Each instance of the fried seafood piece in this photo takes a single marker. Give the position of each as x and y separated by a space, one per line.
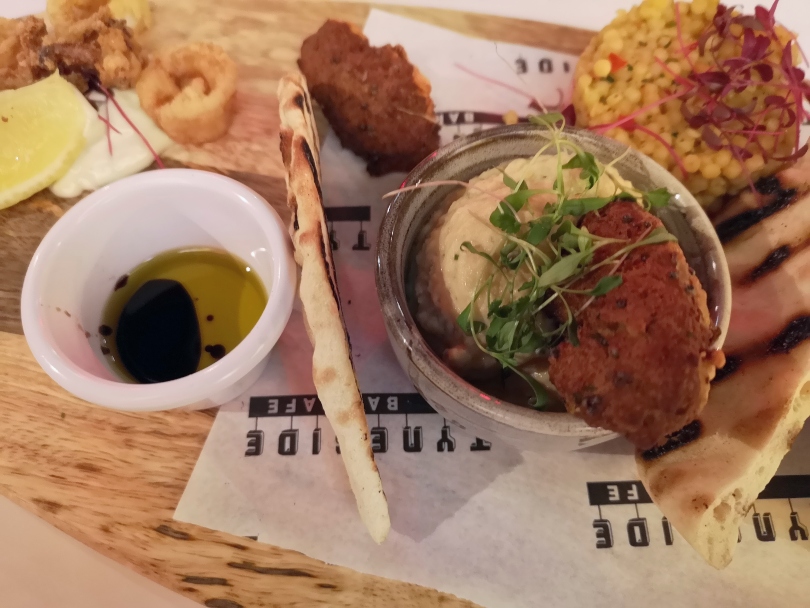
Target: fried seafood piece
189 91
20 41
64 13
97 46
377 102
643 364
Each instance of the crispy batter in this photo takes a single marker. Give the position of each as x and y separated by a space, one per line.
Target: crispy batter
376 101
97 46
643 365
64 13
189 92
20 40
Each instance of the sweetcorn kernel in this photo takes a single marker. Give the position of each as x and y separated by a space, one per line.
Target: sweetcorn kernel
767 142
662 156
625 107
732 170
656 24
710 170
647 12
632 95
722 157
510 118
698 7
648 147
683 145
755 162
717 186
640 70
584 81
590 97
691 163
602 87
620 135
601 68
697 183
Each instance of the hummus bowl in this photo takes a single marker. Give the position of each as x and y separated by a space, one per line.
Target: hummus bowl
401 238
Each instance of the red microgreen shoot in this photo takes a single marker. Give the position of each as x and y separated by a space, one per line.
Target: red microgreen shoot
637 113
496 82
107 122
709 94
109 127
111 98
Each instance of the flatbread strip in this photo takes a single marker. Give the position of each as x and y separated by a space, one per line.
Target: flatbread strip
709 475
332 369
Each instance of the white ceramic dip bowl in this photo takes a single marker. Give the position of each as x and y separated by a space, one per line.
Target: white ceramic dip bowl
113 230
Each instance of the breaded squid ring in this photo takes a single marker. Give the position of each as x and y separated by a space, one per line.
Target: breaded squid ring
188 91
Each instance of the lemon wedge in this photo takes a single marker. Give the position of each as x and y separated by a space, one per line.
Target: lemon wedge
136 13
41 134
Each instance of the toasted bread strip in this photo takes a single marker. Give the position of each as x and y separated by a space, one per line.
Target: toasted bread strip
332 369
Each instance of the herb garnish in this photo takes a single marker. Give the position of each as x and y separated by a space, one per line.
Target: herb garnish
710 91
542 257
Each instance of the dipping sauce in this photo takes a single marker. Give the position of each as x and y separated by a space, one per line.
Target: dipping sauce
178 313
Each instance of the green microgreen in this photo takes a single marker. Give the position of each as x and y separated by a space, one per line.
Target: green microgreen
550 119
585 161
655 199
544 253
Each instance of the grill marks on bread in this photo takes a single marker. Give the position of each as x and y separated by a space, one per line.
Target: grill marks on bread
760 401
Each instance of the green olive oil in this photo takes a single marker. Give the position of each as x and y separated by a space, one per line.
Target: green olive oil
178 313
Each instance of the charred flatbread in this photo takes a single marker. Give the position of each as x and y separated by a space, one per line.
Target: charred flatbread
708 475
332 369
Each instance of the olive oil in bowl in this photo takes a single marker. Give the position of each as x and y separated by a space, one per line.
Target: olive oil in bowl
178 313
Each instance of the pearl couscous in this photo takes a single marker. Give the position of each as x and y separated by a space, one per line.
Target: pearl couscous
639 61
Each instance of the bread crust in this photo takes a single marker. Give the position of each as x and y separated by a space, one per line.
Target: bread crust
708 476
332 368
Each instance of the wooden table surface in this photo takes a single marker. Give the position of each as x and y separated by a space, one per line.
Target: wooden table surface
112 479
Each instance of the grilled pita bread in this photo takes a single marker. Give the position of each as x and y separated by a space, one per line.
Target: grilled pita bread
332 369
706 478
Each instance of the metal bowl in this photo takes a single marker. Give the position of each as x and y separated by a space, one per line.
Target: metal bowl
457 400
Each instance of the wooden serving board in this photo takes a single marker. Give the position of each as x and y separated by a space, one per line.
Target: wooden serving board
112 479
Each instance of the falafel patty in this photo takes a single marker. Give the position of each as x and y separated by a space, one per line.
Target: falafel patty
377 102
643 365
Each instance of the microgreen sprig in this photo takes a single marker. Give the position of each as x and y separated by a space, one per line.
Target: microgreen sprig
542 256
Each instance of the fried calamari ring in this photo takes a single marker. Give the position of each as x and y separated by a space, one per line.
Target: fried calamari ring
188 91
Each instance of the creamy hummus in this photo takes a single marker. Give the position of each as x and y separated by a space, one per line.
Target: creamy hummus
447 277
